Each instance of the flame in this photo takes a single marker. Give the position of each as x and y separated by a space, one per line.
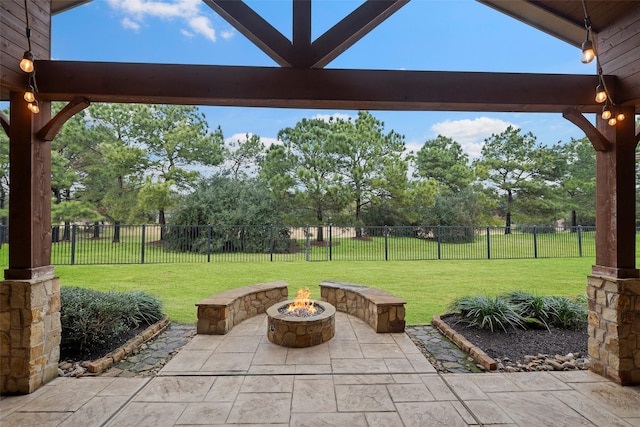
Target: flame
302 302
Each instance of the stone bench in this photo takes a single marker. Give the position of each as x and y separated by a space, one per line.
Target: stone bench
219 313
381 310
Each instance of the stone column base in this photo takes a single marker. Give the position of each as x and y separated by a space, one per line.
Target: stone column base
614 328
30 334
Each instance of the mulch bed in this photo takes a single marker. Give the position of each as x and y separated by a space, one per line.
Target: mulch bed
517 343
96 352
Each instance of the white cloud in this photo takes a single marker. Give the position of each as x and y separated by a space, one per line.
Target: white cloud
202 25
227 34
130 25
187 33
187 10
335 116
470 134
267 141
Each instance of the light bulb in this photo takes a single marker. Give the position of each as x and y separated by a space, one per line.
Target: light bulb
606 112
33 106
612 121
587 52
620 116
26 64
29 96
601 95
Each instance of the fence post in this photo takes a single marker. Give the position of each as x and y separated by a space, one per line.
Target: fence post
488 242
386 243
142 254
439 249
271 243
535 241
307 244
209 243
580 240
330 242
73 244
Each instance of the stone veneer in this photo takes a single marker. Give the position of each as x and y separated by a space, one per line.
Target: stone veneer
614 328
299 332
381 310
219 313
30 334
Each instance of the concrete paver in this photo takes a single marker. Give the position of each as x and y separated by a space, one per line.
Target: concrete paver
359 378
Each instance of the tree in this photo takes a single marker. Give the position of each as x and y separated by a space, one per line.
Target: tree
370 162
243 157
305 168
73 152
521 173
178 140
443 160
114 183
242 208
579 181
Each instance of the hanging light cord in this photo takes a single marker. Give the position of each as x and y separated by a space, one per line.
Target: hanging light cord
28 29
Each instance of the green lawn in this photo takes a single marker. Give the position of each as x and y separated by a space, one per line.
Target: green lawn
428 286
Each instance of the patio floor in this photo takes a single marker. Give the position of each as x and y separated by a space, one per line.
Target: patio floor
359 378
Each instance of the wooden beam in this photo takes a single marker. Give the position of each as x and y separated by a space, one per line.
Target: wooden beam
535 15
316 88
352 28
255 28
301 33
4 121
53 126
597 139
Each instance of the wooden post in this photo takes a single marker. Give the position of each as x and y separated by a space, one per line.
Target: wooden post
615 200
30 206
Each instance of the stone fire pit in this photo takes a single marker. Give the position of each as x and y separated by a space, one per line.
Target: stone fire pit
289 330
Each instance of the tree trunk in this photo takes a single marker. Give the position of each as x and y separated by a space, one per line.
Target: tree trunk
96 230
163 224
574 221
320 229
507 225
116 232
66 235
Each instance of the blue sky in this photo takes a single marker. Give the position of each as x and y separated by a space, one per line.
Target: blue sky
455 35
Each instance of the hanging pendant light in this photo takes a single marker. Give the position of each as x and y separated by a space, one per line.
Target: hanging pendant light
29 95
601 94
26 64
606 112
33 107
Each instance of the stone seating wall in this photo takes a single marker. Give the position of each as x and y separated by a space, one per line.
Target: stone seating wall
219 313
381 310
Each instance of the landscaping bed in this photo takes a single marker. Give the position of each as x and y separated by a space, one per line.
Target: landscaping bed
519 331
527 349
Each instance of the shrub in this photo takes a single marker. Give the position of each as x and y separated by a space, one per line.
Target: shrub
534 310
487 312
93 319
567 313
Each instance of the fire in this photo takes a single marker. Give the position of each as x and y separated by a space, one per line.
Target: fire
302 303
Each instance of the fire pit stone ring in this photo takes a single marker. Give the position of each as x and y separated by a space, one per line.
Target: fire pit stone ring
297 331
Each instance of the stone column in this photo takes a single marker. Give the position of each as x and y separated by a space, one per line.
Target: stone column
30 333
614 328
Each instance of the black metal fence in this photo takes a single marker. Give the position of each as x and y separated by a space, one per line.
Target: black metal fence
149 244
